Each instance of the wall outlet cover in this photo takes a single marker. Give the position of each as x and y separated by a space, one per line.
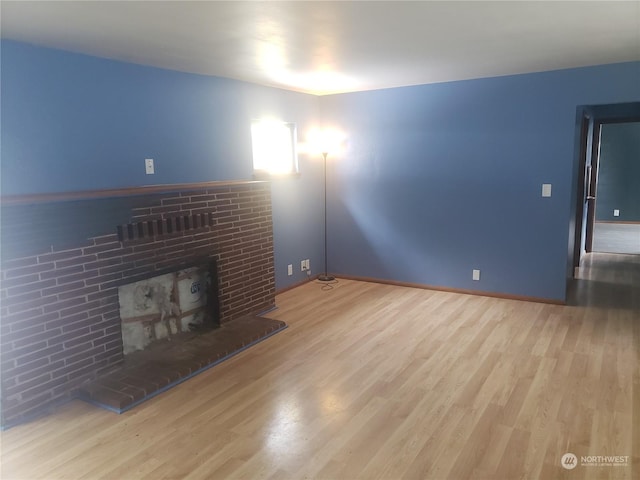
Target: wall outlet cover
546 189
616 212
476 275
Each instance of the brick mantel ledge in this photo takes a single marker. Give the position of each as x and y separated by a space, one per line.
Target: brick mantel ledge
29 198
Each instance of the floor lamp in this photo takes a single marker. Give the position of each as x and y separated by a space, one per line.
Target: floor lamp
325 277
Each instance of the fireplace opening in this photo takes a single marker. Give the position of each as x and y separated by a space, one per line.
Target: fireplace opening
173 302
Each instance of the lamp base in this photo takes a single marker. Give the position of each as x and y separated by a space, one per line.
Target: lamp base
326 278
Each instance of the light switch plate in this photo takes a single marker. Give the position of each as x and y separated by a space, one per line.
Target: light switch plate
148 166
616 212
476 275
546 189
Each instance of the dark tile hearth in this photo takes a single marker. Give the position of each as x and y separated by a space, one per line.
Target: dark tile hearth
163 365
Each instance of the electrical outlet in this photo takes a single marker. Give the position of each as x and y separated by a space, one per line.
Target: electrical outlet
616 212
148 166
546 189
306 264
290 269
476 275
303 265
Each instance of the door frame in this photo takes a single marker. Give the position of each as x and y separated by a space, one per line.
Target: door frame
592 185
587 186
582 183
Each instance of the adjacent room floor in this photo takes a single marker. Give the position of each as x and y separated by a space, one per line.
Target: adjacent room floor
616 238
378 381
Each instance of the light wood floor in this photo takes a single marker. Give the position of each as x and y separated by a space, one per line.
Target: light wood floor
377 381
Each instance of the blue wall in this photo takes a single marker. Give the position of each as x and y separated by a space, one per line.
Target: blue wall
434 181
619 173
437 180
73 122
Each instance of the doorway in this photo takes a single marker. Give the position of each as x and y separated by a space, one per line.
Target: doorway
593 121
616 228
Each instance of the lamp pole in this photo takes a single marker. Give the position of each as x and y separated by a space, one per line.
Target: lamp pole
325 277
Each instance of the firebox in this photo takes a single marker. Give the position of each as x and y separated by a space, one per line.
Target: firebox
159 307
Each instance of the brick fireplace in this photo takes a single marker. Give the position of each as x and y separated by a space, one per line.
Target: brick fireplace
64 259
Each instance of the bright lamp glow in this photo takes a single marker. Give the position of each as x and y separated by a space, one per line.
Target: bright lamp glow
327 140
274 147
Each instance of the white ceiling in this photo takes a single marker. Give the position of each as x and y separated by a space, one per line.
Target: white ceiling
331 47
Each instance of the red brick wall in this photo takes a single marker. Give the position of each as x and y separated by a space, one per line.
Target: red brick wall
59 314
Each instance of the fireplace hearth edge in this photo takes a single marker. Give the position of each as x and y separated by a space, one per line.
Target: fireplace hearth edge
168 364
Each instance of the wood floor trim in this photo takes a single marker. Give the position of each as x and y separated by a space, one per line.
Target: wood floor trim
480 293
